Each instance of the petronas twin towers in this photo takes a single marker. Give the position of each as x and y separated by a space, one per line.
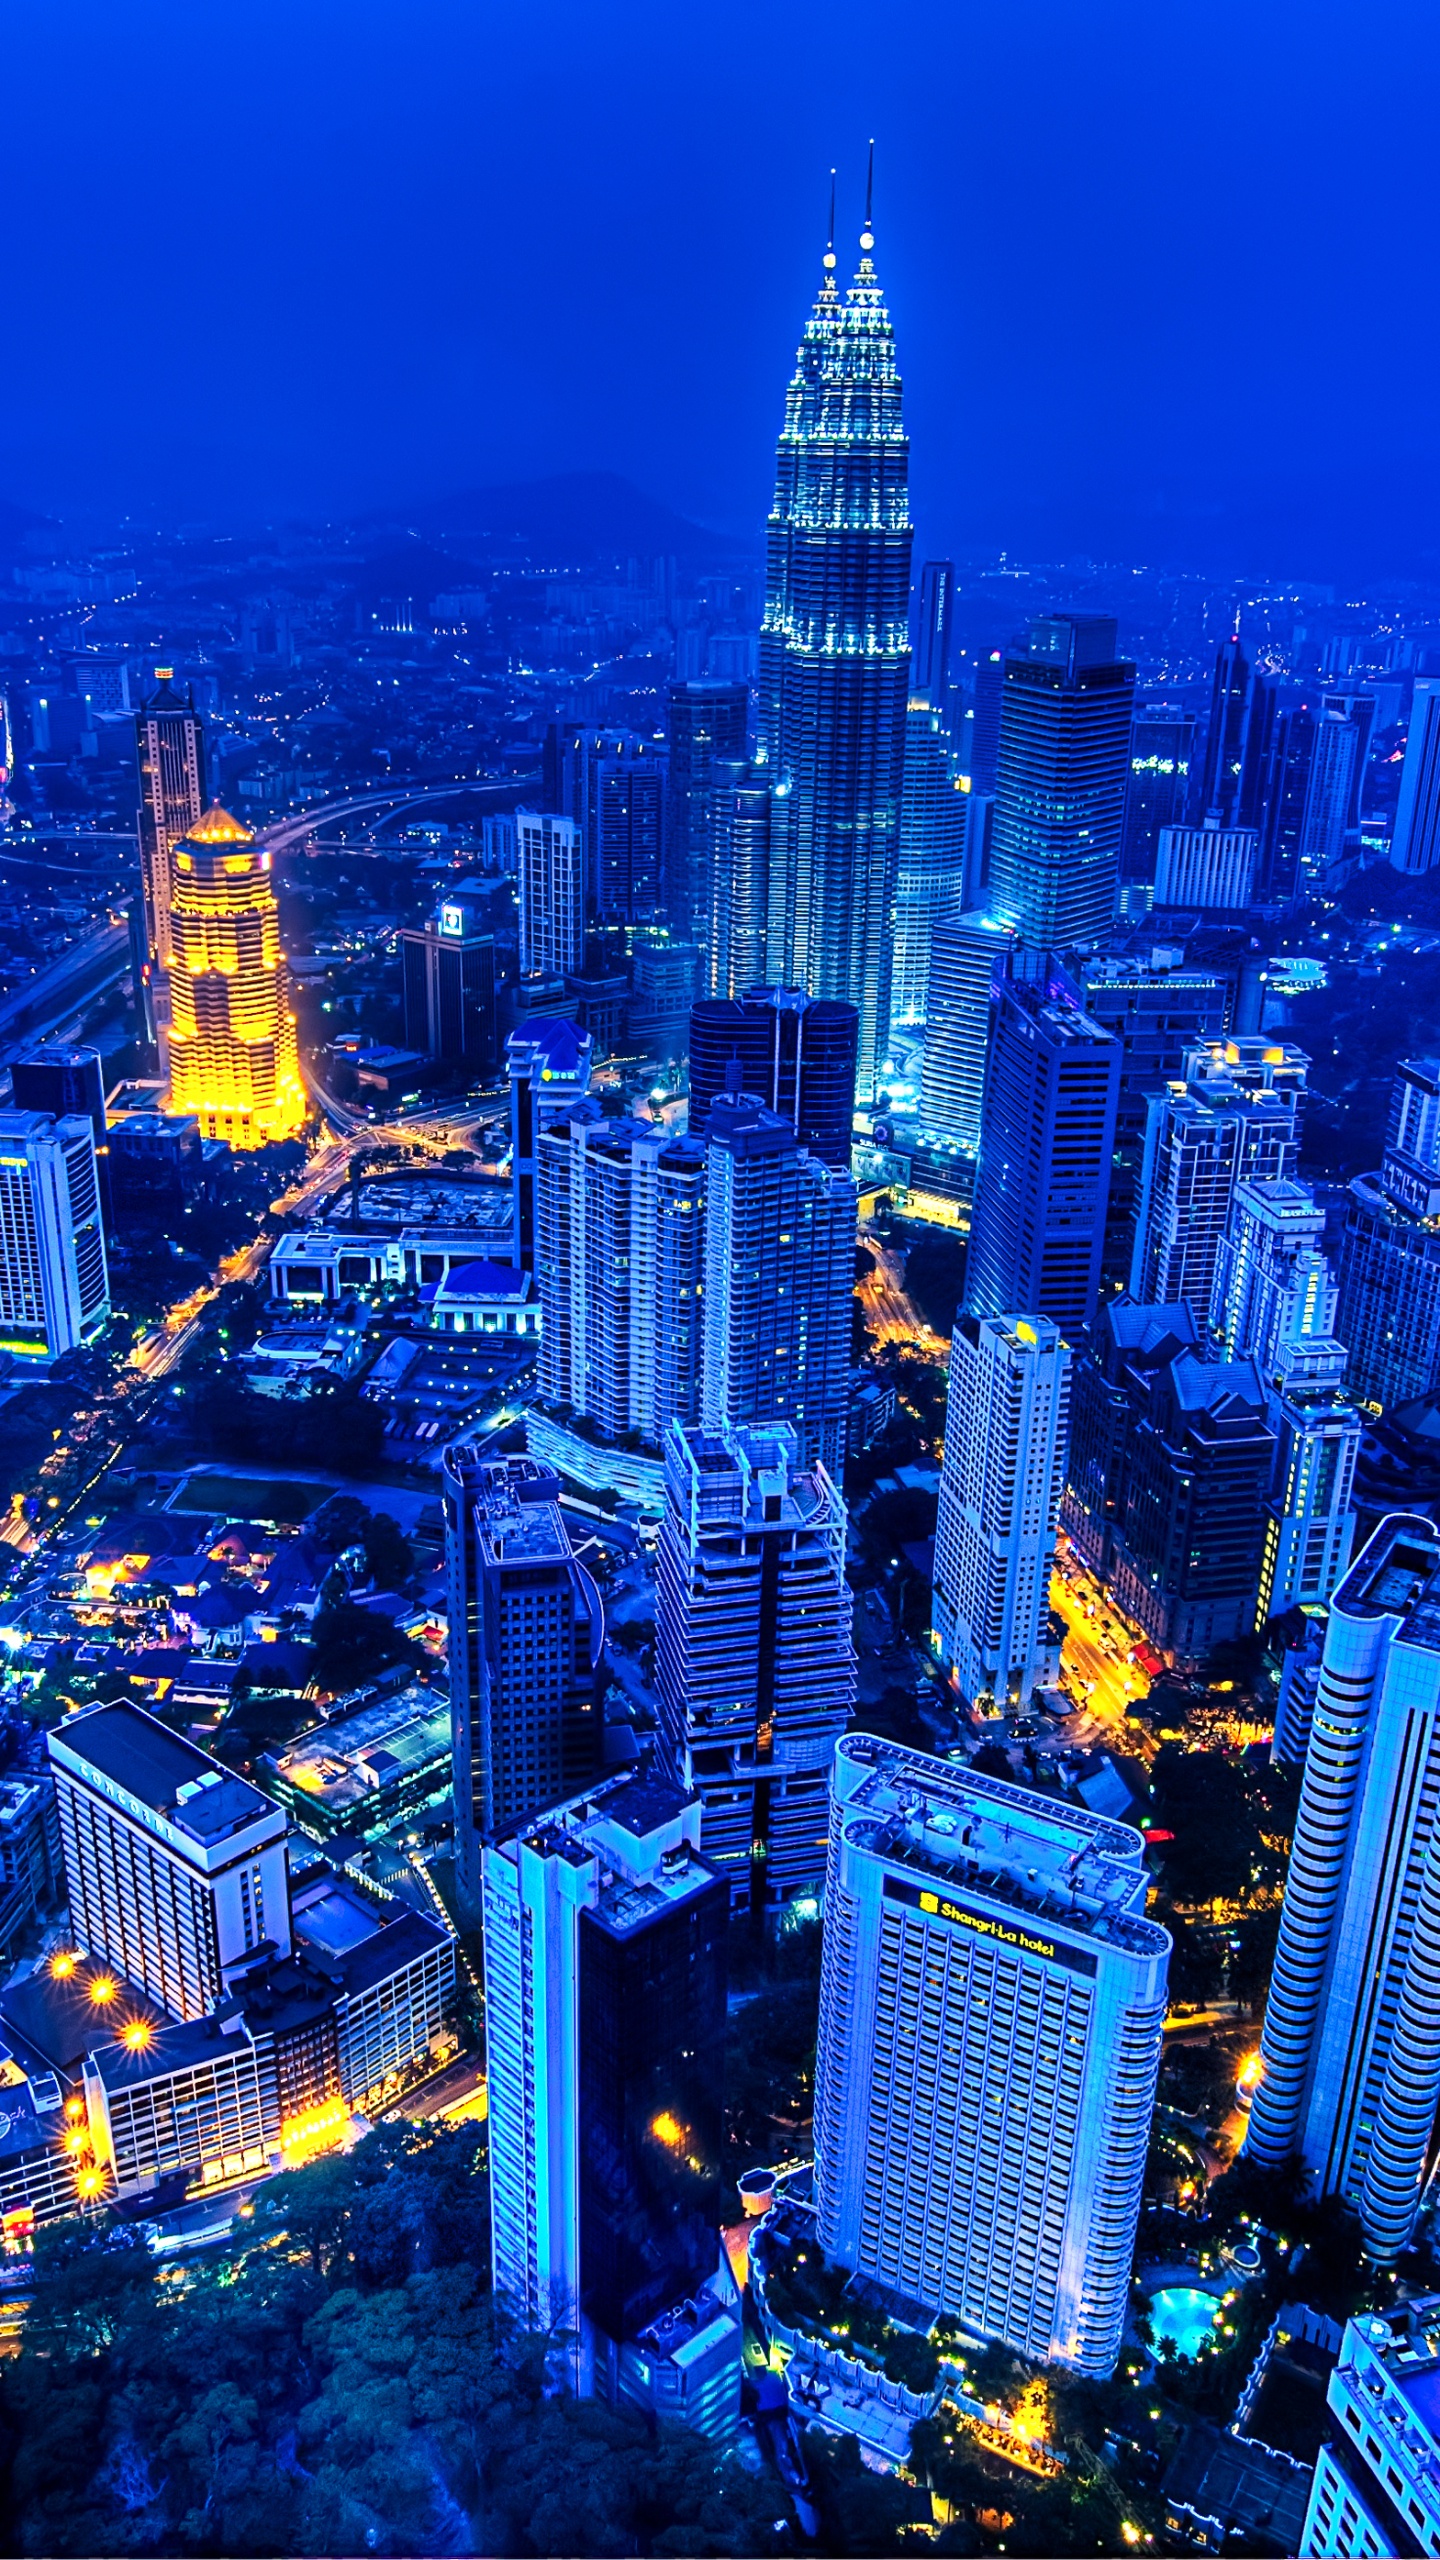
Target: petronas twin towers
835 657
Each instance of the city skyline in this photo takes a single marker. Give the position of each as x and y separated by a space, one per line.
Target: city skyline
1155 464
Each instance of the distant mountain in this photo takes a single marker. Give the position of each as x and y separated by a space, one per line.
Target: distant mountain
15 523
576 516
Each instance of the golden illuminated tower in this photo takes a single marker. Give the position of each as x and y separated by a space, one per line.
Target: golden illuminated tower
233 1057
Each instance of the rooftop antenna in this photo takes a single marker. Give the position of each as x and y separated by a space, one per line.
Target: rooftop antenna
867 236
828 261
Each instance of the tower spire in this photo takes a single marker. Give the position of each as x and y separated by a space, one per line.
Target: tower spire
828 261
867 236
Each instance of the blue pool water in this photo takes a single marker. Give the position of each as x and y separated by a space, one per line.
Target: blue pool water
1184 2313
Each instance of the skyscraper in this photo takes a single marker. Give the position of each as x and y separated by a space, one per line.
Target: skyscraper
170 753
526 1634
779 1281
448 984
1047 1136
795 1052
1225 739
705 731
60 1079
1331 790
175 1868
619 1260
1006 1432
1060 781
1233 1117
1157 793
613 784
1274 1302
735 922
1282 788
1158 1008
1415 847
967 956
930 878
1351 2043
1388 1264
549 1070
835 657
605 1988
992 2000
934 631
754 1663
54 1284
550 857
233 1055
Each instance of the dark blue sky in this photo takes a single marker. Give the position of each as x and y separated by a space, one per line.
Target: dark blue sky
1163 274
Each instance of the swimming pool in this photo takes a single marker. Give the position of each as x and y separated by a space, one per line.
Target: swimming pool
1184 2313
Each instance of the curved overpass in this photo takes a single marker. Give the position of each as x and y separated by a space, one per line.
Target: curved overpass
286 831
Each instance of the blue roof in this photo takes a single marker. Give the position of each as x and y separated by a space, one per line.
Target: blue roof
486 1280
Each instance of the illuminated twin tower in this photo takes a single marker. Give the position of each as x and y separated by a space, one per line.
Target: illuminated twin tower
215 973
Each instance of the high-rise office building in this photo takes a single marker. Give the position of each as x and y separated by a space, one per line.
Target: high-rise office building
1388 1265
1331 792
1060 781
448 983
967 958
795 1052
930 878
1195 1477
54 1283
1376 2483
1047 1137
605 1990
1205 867
1225 739
835 657
1350 2050
619 1263
735 926
613 784
992 1999
1281 791
526 1635
1310 1516
754 1662
233 1055
1415 844
170 753
550 860
549 1070
934 633
175 1868
1006 1433
1158 1007
1157 793
1274 1302
1112 1389
979 740
1232 1117
705 733
779 1281
1273 1285
60 1080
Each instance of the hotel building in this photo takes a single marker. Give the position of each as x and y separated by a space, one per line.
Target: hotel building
991 2006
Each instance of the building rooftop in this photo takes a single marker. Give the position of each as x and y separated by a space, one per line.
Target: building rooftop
71 2005
1397 1575
161 1770
997 1844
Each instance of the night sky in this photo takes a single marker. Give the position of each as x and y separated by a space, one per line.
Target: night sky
1164 275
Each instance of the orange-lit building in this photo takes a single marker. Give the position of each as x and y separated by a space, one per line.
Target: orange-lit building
233 1057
